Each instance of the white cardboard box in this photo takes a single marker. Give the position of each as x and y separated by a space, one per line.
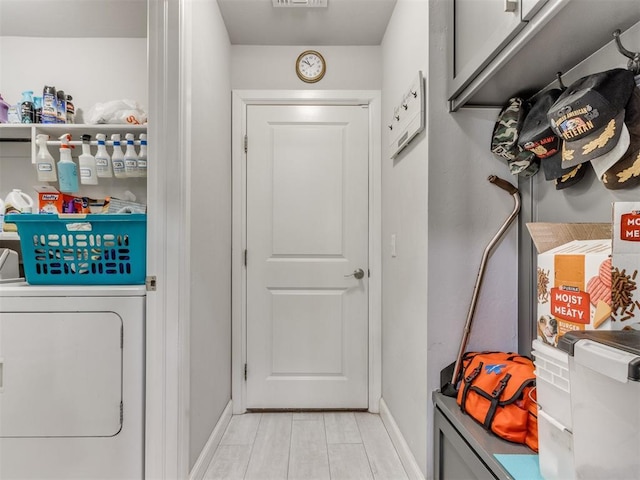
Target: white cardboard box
573 278
625 264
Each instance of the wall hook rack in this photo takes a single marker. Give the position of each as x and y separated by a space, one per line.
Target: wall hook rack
634 57
409 117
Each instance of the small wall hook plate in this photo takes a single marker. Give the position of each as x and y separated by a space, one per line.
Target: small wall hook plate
409 117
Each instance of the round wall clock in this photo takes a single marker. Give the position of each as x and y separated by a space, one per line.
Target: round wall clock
310 66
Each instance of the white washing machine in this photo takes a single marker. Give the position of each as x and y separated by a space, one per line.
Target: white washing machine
71 382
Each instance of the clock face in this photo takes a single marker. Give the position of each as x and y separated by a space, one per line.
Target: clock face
310 66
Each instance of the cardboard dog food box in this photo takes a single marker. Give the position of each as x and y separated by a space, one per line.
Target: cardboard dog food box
574 278
625 259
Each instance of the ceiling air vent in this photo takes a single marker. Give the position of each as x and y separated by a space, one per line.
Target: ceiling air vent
299 3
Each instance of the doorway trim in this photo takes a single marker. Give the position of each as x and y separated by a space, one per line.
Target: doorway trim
240 100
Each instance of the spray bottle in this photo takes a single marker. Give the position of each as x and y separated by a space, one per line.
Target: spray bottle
45 164
117 157
49 105
27 109
67 170
103 160
142 156
130 157
88 175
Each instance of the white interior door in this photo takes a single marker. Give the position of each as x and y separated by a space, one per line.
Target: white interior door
307 231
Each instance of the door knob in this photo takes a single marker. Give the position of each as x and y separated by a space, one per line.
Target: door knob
358 273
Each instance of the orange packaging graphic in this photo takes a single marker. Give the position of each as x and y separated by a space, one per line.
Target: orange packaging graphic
50 200
579 285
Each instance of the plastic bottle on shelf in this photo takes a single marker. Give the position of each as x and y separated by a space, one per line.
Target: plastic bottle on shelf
117 157
71 110
45 164
4 111
27 109
103 160
37 104
61 107
88 175
49 105
142 156
130 157
67 170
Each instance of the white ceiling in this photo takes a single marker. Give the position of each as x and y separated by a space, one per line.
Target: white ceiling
343 22
249 22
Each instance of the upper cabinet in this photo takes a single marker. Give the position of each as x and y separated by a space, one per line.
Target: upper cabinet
500 47
481 28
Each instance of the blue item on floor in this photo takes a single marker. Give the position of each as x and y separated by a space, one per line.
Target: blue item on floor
520 466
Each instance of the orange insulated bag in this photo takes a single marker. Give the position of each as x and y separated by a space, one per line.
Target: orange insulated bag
497 389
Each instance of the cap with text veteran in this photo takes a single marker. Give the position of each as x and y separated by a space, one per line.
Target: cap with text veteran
589 115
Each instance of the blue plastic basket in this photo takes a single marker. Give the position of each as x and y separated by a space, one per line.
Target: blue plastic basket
97 249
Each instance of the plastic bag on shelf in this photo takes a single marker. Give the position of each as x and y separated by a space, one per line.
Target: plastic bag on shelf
116 112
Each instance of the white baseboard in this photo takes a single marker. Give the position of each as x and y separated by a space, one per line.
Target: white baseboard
406 457
201 465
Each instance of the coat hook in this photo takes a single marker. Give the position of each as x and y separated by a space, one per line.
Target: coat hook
559 77
634 58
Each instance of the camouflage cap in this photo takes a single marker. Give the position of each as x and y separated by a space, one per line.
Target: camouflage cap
526 164
504 142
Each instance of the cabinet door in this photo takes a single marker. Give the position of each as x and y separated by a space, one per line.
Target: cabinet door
481 28
61 374
453 456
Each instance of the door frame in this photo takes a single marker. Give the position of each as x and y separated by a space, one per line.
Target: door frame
240 100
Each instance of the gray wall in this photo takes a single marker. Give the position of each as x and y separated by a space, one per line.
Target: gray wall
405 212
589 200
210 186
443 211
273 68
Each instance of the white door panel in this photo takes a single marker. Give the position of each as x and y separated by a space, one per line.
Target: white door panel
307 227
62 374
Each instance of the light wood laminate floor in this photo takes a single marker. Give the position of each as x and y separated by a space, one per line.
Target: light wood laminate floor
306 446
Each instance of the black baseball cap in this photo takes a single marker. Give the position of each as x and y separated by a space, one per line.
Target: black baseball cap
589 115
536 134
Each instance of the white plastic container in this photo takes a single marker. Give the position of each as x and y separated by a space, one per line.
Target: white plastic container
555 441
45 164
117 157
130 157
18 202
87 163
605 398
103 159
552 381
555 448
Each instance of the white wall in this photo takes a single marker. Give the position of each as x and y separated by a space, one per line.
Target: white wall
273 68
210 186
91 70
437 201
405 214
465 212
